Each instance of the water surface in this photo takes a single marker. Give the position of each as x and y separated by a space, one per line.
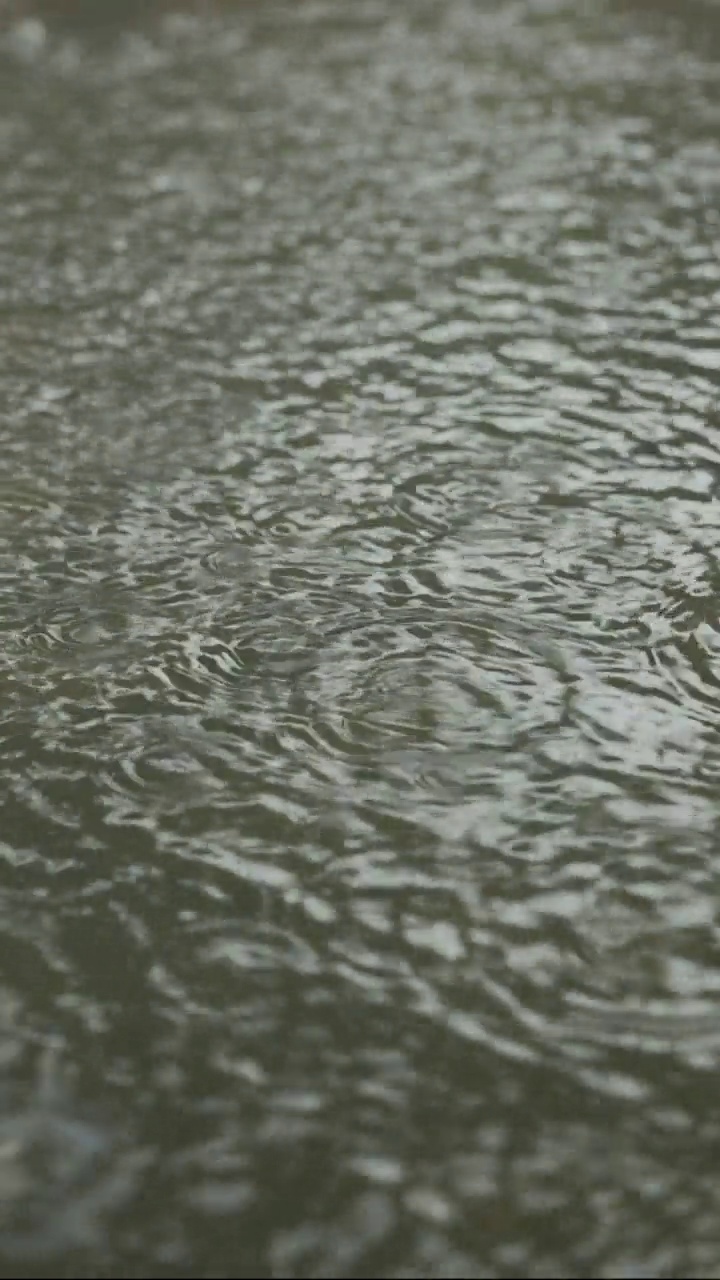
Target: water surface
359 642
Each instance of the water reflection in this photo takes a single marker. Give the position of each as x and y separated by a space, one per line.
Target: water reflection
358 665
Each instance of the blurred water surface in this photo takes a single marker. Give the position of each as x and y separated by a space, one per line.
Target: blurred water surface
359 641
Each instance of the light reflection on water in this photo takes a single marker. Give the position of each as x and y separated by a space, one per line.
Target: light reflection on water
358 604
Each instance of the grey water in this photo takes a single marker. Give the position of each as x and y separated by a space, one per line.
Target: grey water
360 640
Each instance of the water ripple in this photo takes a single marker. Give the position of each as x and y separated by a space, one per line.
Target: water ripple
359 613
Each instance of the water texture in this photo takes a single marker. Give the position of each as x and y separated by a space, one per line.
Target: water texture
360 641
